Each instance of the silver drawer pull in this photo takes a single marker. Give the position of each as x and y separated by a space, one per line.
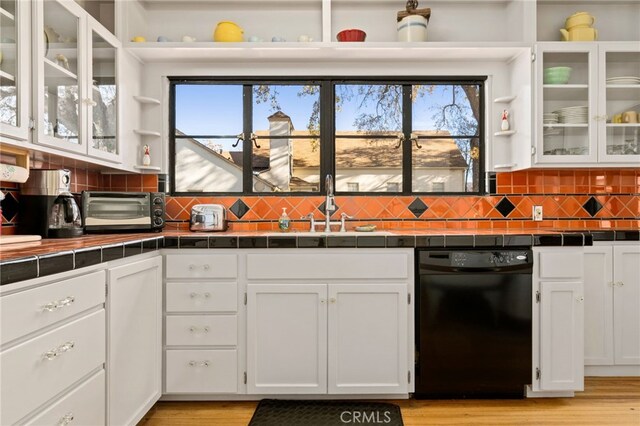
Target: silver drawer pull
205 363
54 353
195 295
57 304
195 329
66 419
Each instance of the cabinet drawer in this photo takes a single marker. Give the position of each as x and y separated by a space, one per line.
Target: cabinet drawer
556 264
202 266
201 330
383 265
29 378
200 371
85 405
27 311
202 297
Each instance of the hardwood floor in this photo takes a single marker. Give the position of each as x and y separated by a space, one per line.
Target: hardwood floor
605 401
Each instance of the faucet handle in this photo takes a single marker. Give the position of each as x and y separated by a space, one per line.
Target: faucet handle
312 222
343 218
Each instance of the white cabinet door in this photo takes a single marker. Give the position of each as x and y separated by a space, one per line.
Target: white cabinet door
286 338
598 305
134 343
561 335
574 138
367 338
626 302
15 23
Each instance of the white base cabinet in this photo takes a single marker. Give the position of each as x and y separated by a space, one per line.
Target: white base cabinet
53 351
320 330
558 319
134 303
612 304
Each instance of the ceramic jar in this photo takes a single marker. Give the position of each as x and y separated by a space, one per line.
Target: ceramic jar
413 28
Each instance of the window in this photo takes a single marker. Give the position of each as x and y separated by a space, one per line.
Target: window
437 186
393 186
274 135
353 186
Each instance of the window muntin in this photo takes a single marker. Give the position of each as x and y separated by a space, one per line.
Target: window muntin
396 135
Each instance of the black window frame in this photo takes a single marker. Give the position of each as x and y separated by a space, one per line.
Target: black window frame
327 129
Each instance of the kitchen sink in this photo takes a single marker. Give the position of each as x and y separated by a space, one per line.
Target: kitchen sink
325 234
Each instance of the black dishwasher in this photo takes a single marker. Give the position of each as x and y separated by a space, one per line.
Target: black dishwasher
473 323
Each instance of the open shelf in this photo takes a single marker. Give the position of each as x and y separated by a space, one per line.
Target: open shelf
505 133
504 166
147 168
146 133
146 100
293 51
505 99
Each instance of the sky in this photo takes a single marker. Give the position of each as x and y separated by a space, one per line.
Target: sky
217 109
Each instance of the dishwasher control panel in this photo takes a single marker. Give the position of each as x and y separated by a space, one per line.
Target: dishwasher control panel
476 258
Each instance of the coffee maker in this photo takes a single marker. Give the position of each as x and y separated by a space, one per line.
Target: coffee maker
46 206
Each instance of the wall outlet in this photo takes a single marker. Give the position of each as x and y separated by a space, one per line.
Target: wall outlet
537 213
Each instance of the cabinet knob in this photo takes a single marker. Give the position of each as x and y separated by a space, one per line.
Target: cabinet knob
206 267
192 267
322 300
205 363
580 299
193 295
207 295
192 363
332 300
619 283
66 419
205 329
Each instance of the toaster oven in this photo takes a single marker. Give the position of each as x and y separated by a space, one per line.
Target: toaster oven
106 211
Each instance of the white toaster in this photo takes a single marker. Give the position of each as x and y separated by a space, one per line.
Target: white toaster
208 217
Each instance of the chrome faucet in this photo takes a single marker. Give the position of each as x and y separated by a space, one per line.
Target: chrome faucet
329 203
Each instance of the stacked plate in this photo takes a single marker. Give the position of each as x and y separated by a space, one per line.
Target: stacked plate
573 115
550 118
623 80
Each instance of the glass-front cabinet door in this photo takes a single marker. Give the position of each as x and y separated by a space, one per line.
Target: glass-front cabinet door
567 103
14 69
102 90
60 70
619 82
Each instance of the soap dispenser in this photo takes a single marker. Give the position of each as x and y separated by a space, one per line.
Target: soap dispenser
284 222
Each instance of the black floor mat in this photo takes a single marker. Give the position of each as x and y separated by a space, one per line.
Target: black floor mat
274 412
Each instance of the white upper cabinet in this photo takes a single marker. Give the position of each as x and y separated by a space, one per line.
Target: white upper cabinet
588 100
75 69
14 69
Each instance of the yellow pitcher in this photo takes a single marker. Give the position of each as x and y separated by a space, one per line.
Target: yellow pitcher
227 31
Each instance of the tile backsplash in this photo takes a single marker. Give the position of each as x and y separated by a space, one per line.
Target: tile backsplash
571 199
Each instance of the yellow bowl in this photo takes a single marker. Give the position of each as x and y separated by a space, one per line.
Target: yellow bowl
227 31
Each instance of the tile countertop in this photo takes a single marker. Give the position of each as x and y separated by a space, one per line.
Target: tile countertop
36 259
